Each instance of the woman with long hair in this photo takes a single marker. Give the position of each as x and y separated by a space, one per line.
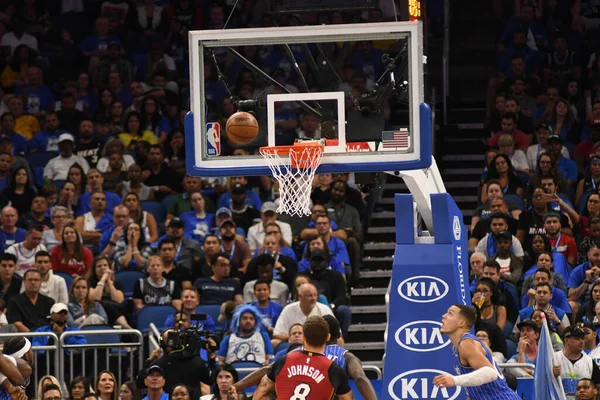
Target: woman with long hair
80 306
103 108
501 169
114 145
132 252
52 237
78 387
129 391
485 300
561 119
16 72
587 312
318 242
78 178
143 218
546 168
576 100
591 180
197 223
71 257
20 191
117 117
225 377
106 386
134 131
103 287
152 120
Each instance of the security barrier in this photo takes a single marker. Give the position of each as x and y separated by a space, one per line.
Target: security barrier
51 363
115 352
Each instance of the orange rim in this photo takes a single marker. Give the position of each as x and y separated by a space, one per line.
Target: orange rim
296 148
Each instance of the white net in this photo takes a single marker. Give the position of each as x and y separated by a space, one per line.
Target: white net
294 168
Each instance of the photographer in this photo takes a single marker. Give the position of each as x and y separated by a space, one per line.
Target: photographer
181 363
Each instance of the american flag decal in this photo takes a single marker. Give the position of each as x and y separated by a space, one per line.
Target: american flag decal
395 139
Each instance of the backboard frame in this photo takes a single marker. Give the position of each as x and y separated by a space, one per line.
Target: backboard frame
420 157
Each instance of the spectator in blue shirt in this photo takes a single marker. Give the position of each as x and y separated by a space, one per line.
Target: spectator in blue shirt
190 299
582 277
197 223
47 140
567 168
238 186
59 313
39 97
95 181
155 382
7 130
525 22
9 233
269 310
96 47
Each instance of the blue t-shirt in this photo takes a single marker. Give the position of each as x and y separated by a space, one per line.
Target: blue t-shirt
40 99
252 199
338 250
197 228
578 275
208 324
105 238
8 239
560 267
19 143
95 43
270 314
112 200
568 169
45 141
283 250
163 396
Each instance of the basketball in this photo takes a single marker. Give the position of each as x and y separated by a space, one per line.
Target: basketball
241 128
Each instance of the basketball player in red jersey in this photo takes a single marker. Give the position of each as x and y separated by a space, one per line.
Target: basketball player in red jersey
307 374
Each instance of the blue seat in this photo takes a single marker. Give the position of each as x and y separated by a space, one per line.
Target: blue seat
153 314
68 278
214 311
282 346
167 201
103 338
156 209
128 279
39 159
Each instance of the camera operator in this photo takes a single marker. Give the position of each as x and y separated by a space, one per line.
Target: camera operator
182 364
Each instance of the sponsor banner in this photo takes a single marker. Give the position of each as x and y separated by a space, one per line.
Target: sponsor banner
426 280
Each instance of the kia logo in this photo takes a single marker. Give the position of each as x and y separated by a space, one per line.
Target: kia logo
421 336
456 228
418 384
423 289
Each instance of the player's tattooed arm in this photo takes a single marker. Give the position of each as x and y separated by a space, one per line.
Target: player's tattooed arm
264 388
356 372
252 379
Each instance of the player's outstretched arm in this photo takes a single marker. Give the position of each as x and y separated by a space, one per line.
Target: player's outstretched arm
472 354
252 379
356 372
10 371
264 388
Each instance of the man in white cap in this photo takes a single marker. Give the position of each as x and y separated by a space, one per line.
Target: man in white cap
256 233
58 167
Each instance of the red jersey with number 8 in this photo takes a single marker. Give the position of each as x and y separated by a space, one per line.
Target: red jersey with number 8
302 375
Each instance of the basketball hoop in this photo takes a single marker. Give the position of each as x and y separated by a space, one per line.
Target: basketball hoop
294 168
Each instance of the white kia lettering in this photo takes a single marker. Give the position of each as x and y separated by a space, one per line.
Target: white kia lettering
461 275
418 384
423 289
421 336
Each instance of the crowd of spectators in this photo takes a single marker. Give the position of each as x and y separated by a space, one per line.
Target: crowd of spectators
92 185
535 235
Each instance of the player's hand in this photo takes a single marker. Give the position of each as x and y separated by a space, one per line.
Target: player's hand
556 370
232 393
17 393
444 381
